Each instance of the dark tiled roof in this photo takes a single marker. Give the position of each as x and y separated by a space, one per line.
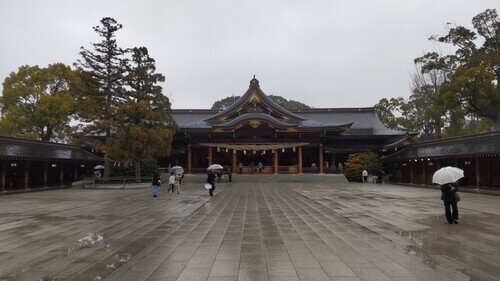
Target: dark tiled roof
16 148
364 120
478 144
357 121
257 116
254 92
192 118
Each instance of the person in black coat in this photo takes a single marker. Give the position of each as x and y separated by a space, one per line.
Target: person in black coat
448 195
211 180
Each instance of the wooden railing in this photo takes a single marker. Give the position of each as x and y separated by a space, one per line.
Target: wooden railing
94 182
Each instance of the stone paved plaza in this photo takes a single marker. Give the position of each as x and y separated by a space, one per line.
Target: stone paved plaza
250 230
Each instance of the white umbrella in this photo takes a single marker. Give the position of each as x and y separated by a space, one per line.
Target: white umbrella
447 175
177 169
215 167
99 167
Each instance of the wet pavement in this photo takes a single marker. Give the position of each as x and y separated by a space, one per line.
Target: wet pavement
252 230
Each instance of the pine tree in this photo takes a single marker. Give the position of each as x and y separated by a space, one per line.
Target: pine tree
145 127
104 69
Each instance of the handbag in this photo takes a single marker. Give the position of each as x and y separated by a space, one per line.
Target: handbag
208 186
457 197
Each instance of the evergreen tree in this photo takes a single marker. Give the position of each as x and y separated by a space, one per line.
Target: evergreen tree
38 103
473 81
104 69
145 128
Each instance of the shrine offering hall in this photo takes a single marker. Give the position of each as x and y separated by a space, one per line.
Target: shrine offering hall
257 132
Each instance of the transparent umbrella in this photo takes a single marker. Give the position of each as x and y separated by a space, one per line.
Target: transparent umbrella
177 169
215 167
447 175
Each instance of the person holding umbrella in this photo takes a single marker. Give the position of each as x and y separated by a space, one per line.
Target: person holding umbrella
211 171
447 178
211 180
449 197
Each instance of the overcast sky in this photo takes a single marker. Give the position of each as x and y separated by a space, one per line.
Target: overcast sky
324 53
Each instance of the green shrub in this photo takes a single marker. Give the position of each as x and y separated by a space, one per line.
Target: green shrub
358 162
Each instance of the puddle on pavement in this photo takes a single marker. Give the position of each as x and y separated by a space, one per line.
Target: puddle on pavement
437 240
86 242
118 259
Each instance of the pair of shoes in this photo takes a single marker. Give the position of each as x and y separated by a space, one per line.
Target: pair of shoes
155 196
455 222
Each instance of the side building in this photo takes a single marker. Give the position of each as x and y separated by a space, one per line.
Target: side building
29 164
478 155
255 129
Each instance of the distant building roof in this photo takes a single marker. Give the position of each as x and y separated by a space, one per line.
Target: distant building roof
256 105
477 144
17 148
364 120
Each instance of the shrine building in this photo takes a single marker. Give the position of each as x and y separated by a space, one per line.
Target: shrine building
255 129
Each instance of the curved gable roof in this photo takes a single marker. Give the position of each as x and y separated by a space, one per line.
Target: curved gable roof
253 119
254 95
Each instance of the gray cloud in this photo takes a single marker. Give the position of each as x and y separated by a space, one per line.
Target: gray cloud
323 53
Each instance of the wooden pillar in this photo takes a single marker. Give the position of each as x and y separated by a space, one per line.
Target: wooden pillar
423 171
61 174
26 174
189 161
299 152
478 174
275 167
233 164
45 174
321 162
3 176
209 156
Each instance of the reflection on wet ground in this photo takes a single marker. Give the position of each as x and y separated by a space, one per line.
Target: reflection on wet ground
249 231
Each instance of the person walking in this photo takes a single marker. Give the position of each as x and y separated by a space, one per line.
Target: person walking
364 174
177 183
156 183
171 182
449 196
240 166
260 167
229 174
313 167
211 180
219 175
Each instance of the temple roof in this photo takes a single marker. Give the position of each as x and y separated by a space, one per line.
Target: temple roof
16 148
255 105
254 100
361 121
478 144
